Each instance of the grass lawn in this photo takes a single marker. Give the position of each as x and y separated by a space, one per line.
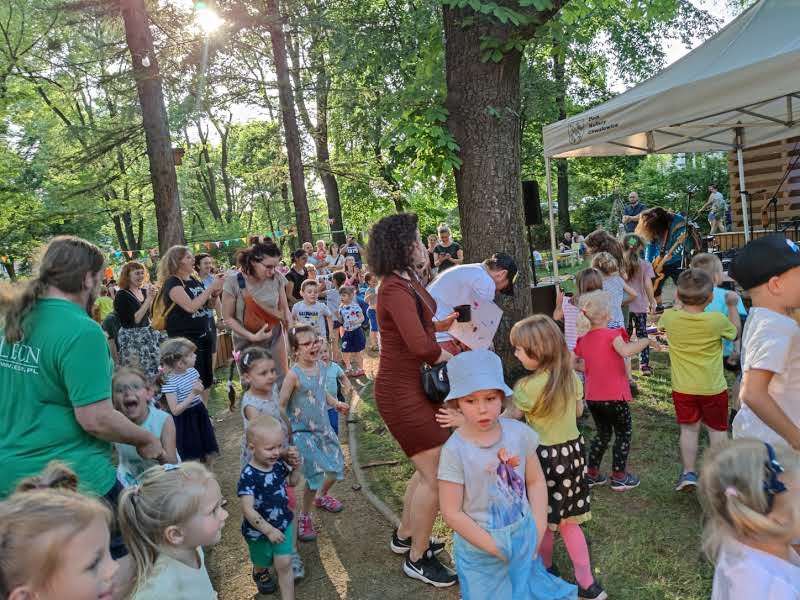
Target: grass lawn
644 543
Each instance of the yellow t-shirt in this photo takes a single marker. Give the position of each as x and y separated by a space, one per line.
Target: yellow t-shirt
555 429
106 305
695 350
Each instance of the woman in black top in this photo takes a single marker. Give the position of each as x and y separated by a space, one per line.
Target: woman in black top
137 344
447 253
296 276
191 299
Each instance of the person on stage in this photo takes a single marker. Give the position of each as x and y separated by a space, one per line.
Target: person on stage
717 210
631 212
666 236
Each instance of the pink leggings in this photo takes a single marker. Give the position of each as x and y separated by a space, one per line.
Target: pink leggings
578 551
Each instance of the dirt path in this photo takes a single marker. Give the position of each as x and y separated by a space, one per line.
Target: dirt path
350 560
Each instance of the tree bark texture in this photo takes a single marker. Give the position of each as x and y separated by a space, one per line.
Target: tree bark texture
483 99
562 172
319 132
290 129
154 119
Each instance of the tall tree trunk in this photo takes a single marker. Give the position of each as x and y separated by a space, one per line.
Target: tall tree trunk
123 243
562 173
126 220
319 132
290 129
483 99
9 267
154 118
224 131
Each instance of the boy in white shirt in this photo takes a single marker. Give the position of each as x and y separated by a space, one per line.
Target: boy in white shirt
769 268
310 312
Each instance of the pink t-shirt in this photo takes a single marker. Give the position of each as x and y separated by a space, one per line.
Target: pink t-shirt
604 369
645 272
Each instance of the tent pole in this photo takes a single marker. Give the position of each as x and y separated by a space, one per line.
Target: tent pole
742 186
553 248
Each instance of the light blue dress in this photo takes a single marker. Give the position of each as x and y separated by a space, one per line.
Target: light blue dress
311 429
131 465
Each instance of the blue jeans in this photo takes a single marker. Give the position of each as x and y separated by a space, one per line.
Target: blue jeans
482 575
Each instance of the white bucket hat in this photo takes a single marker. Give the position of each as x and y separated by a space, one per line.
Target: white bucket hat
473 371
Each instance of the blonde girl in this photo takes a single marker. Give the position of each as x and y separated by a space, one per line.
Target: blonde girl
587 280
304 399
262 398
615 285
54 541
550 399
750 492
131 395
639 275
165 521
182 390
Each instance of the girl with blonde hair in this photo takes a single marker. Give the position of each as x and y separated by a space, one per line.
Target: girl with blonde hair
54 541
750 492
550 399
166 520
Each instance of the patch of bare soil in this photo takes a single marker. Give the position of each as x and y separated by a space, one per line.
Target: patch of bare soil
350 559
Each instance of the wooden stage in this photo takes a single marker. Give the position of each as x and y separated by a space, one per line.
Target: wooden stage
735 239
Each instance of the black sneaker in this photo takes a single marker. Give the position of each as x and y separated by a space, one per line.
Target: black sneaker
264 582
402 546
430 570
593 592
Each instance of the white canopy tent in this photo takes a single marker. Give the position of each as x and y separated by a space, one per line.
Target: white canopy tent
739 89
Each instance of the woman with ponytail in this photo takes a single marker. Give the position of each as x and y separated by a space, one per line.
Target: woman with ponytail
56 360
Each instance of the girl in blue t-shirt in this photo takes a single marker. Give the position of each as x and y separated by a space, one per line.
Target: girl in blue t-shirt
336 382
182 391
131 396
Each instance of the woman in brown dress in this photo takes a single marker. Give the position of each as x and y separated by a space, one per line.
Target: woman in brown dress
405 313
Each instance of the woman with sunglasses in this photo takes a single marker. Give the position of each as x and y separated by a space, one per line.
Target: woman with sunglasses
258 281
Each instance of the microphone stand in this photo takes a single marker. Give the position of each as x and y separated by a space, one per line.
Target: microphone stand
689 194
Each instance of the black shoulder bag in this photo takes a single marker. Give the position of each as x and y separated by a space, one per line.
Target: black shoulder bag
434 377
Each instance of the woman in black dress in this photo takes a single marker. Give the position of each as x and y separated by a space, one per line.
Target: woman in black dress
192 301
137 343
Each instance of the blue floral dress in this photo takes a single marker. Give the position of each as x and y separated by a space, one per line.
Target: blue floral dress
312 433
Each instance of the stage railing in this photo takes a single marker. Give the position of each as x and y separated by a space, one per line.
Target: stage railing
735 239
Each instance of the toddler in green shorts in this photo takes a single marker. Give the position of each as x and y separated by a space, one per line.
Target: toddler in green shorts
268 526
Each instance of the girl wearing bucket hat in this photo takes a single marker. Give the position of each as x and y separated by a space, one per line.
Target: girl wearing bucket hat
492 490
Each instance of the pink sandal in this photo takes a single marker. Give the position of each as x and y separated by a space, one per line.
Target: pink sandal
328 503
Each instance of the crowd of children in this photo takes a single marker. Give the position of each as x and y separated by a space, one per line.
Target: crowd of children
515 472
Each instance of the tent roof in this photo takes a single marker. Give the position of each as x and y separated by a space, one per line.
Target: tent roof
747 75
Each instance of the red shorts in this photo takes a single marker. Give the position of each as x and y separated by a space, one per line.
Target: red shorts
712 410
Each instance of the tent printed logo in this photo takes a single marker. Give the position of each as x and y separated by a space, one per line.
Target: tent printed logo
575 130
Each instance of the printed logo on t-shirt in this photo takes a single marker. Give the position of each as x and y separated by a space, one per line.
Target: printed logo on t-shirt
19 357
507 501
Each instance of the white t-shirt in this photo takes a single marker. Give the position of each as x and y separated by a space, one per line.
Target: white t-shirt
314 315
744 573
771 342
459 285
172 579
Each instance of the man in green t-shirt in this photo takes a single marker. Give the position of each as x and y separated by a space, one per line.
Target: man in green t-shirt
55 376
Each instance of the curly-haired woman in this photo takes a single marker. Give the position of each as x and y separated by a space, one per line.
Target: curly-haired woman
405 313
601 241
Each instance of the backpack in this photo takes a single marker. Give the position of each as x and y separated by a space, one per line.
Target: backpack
158 317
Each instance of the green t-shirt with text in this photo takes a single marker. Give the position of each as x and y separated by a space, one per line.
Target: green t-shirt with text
62 362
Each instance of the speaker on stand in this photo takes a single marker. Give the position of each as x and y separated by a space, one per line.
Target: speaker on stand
533 216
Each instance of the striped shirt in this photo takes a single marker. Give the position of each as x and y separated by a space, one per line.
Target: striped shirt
181 384
570 323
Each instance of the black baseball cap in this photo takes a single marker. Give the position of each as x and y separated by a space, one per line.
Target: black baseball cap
506 263
764 258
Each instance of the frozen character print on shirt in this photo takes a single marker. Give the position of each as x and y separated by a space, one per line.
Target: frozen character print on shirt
507 499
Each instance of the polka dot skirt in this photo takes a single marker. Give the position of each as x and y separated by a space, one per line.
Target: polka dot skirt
564 470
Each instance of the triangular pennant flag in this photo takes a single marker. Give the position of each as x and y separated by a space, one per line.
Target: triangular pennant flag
207 245
197 247
228 243
218 244
130 254
244 240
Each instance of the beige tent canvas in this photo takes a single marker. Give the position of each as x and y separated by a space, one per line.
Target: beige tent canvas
740 88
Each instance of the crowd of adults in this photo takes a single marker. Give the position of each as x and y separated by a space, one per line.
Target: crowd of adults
58 360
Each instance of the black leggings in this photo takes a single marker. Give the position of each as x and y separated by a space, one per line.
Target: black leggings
672 271
611 418
639 321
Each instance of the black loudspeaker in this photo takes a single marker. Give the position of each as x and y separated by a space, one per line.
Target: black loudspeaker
530 201
544 299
